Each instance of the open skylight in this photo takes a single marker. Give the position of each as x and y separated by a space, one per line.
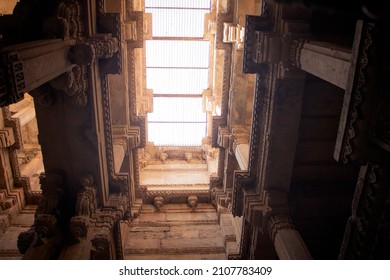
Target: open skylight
177 62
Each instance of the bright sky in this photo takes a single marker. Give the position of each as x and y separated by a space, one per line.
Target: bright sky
177 66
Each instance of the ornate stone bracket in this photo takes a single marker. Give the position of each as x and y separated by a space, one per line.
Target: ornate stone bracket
224 137
221 19
73 83
101 246
86 206
92 49
48 210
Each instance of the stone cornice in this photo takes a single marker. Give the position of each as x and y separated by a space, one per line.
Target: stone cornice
365 103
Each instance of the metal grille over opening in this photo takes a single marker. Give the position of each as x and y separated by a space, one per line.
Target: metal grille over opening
177 65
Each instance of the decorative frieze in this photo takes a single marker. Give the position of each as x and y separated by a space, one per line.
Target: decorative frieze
366 230
12 82
365 100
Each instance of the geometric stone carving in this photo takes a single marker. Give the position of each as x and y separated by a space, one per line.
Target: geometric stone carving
130 31
233 33
12 84
254 44
133 135
7 138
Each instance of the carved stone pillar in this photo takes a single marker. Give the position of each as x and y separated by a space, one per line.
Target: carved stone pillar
327 61
287 241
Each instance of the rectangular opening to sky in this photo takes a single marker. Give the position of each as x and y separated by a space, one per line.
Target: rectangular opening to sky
177 69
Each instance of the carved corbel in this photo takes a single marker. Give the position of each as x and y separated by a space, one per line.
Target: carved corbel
73 83
192 202
45 225
163 157
239 136
224 137
79 227
85 207
134 137
51 185
130 31
93 49
101 246
158 202
48 209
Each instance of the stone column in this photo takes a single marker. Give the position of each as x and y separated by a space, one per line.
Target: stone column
287 241
327 61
